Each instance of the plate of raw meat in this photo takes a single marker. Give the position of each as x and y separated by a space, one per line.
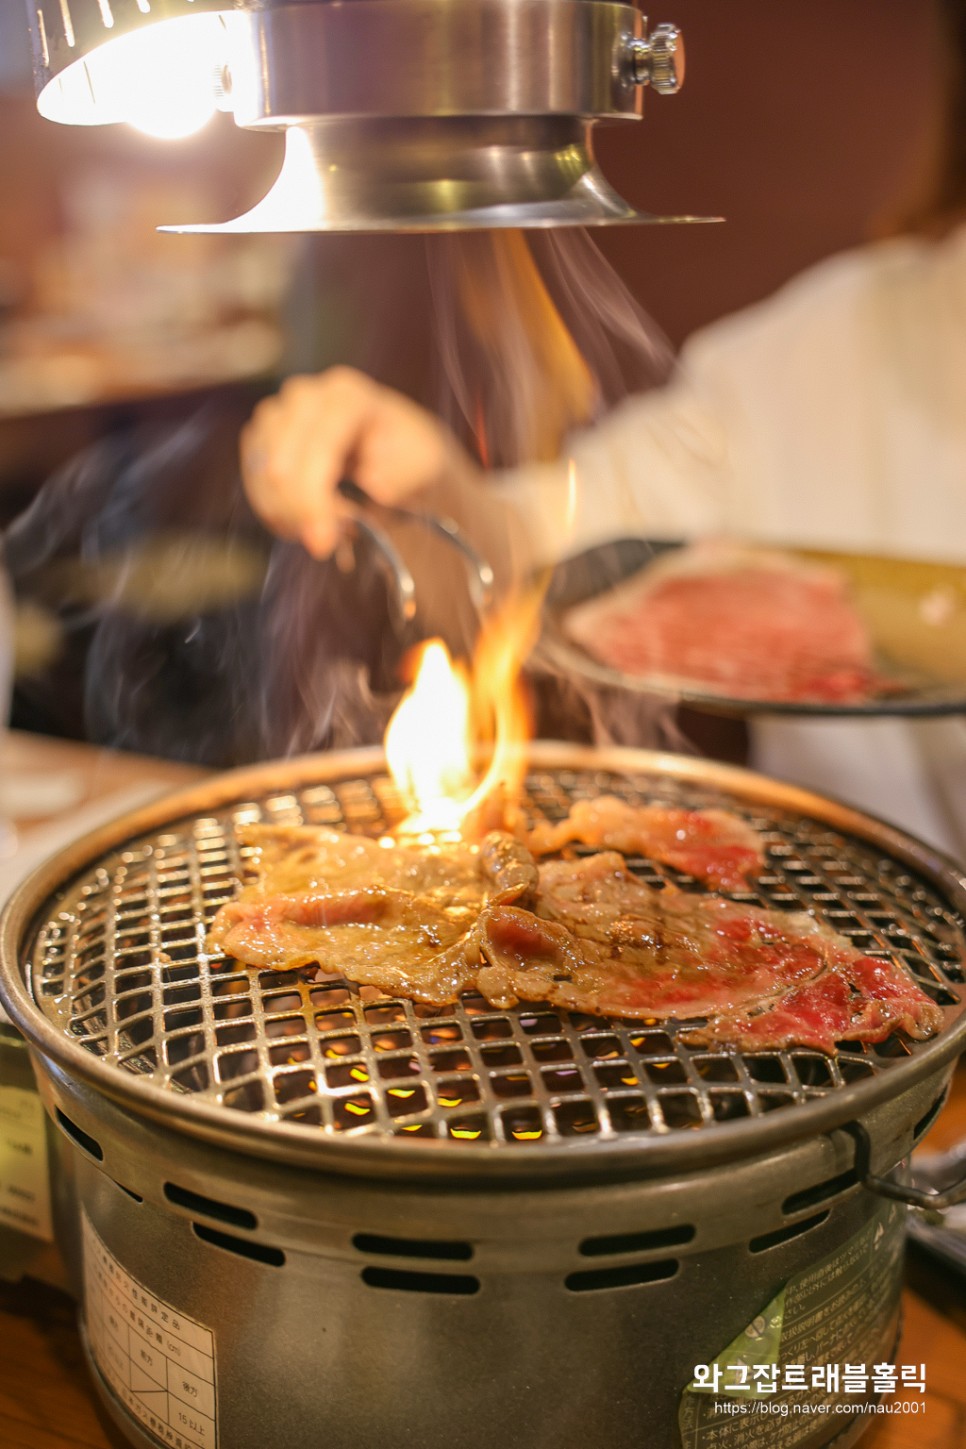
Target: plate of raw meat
742 629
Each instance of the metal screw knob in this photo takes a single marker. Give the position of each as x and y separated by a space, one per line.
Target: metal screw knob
658 61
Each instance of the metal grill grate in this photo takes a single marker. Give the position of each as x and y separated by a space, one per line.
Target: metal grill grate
119 966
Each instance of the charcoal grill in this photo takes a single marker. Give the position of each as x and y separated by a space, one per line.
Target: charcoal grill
381 1221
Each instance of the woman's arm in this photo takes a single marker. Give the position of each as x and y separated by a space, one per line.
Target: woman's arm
652 468
765 430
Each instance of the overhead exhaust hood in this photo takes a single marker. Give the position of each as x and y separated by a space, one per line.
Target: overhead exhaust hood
399 115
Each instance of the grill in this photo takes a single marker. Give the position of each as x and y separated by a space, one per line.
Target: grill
576 1209
119 971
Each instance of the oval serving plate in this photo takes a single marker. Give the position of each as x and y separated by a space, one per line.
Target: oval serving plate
914 610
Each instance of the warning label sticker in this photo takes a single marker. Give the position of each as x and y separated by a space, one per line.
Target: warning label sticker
809 1355
159 1362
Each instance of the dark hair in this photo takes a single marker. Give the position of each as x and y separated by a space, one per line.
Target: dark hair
942 199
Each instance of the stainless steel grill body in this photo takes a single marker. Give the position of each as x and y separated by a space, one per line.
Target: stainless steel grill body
368 1312
515 1223
115 984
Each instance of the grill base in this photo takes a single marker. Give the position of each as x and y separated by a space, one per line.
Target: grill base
526 1313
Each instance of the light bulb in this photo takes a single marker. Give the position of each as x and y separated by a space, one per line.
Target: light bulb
161 79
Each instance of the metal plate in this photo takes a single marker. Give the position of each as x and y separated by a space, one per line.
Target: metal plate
105 970
915 612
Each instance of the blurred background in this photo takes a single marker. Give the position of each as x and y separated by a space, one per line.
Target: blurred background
809 128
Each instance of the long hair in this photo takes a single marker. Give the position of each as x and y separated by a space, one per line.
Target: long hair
941 198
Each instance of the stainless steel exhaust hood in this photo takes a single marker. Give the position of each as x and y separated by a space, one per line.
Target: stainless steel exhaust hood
399 115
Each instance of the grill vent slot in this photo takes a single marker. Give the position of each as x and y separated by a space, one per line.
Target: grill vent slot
594 1280
821 1192
412 1247
785 1235
637 1242
83 1139
243 1247
460 1284
222 1212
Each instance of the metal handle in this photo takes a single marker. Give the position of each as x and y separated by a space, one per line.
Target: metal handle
403 582
929 1199
479 571
933 1201
658 60
481 580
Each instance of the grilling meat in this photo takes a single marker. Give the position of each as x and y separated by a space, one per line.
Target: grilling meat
431 922
306 858
740 622
382 915
713 845
605 943
860 998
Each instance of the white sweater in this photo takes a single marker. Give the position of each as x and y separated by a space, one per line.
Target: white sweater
833 414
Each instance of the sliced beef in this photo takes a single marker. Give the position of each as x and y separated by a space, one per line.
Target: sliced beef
432 922
713 845
743 623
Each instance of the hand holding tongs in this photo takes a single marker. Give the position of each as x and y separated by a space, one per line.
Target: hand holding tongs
366 515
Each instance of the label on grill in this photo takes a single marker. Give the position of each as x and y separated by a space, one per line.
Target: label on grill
792 1379
24 1175
159 1362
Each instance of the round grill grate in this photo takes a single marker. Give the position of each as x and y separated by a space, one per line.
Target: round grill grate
117 964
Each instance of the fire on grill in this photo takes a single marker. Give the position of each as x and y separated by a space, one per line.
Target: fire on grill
430 914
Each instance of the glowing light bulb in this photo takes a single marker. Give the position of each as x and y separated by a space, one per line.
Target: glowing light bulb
161 79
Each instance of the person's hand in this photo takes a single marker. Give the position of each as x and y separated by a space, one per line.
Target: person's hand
315 431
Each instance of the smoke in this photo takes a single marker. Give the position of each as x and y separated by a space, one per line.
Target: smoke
190 633
536 335
330 651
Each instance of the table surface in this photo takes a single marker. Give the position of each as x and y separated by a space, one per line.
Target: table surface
46 1401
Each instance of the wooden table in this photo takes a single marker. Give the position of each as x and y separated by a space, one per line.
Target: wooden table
45 1398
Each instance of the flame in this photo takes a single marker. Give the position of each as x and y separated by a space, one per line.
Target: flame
526 338
501 703
573 500
428 741
451 715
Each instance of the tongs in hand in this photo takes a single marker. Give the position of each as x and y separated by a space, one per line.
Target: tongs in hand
367 516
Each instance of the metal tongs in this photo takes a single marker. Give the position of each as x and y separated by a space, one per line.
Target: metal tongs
367 516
